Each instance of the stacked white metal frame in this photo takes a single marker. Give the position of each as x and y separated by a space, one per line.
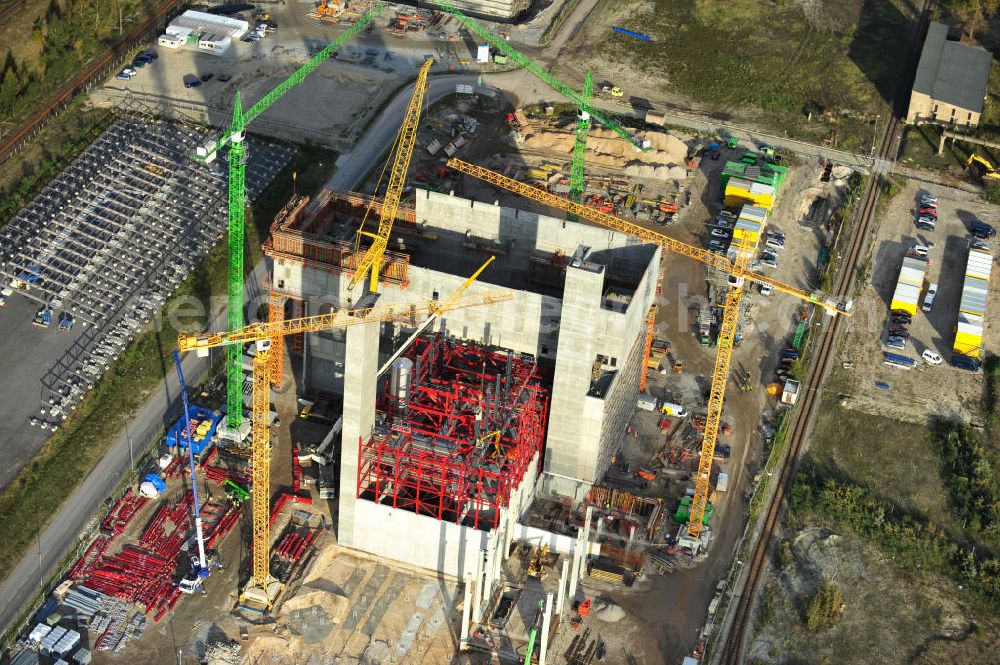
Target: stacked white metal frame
972 308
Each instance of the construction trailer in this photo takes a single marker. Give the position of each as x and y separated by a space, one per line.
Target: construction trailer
971 324
909 285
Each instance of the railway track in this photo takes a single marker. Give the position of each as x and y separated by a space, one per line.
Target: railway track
732 647
98 67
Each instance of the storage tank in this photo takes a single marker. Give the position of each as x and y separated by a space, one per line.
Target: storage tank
400 378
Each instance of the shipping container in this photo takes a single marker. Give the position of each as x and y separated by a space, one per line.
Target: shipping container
979 264
905 298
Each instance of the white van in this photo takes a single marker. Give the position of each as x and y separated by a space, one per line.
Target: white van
929 298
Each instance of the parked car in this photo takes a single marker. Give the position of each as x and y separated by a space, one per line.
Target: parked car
982 230
716 245
928 200
766 289
769 259
720 233
901 316
928 212
724 223
931 358
191 83
901 334
138 64
205 78
920 250
964 362
929 298
153 55
896 329
124 75
895 342
926 223
225 77
775 243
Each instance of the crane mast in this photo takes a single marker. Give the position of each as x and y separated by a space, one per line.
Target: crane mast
717 393
576 181
263 588
739 274
503 46
406 140
235 137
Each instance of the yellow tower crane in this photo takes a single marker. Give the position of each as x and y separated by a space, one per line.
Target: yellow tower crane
738 275
400 156
263 588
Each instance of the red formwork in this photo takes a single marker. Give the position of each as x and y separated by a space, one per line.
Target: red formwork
464 436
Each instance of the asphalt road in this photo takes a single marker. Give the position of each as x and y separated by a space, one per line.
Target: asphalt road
372 148
63 532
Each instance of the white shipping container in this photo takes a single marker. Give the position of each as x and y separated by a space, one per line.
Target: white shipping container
722 484
754 212
908 275
908 293
979 265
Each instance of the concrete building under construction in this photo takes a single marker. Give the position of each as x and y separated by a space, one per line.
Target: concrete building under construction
444 451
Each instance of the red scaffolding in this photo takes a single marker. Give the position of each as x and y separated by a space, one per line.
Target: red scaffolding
456 438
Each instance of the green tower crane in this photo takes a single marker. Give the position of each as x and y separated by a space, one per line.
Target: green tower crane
516 56
235 138
576 184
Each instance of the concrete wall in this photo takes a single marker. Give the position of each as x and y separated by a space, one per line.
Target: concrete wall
924 109
585 431
503 10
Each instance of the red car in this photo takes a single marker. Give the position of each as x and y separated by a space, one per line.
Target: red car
898 330
928 212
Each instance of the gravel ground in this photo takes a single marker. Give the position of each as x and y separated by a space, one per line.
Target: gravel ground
943 389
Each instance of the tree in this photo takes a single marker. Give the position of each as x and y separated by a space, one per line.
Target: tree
9 89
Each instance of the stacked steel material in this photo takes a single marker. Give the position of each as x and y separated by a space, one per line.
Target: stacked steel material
909 285
972 308
143 573
461 433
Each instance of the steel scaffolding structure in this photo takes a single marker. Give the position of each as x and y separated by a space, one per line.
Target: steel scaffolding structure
457 433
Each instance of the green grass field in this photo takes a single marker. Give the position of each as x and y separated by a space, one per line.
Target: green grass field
894 458
832 62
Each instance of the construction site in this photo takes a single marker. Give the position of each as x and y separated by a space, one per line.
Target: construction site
504 390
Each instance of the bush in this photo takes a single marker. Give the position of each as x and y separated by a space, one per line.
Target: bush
968 476
826 608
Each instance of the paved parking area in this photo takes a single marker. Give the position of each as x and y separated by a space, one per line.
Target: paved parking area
105 243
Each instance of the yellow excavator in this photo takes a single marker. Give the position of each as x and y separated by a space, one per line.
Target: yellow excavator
983 167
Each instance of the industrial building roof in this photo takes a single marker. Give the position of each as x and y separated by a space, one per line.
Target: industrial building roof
192 21
952 72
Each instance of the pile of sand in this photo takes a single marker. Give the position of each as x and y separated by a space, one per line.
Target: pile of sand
608 612
665 159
